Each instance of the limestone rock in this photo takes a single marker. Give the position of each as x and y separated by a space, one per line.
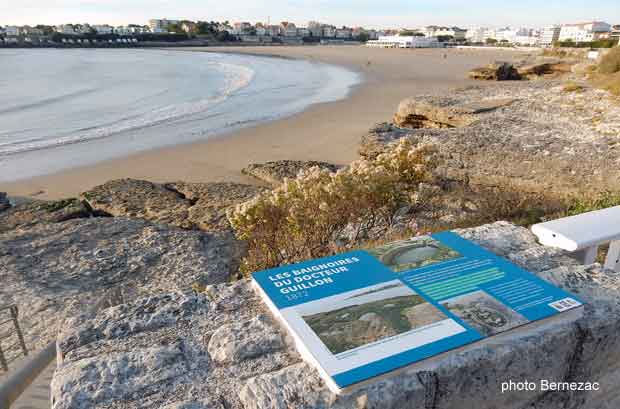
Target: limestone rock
499 71
31 213
275 172
139 199
210 201
4 201
528 142
244 340
51 270
296 386
414 113
186 205
177 348
538 69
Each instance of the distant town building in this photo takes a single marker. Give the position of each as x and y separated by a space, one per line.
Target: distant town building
11 31
288 29
315 28
103 29
549 35
303 32
404 42
68 29
458 34
476 34
584 32
344 33
161 25
242 28
614 34
329 31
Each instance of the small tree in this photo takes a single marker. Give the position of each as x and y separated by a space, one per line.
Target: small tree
490 41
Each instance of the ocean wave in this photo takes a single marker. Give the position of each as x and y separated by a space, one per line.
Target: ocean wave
235 78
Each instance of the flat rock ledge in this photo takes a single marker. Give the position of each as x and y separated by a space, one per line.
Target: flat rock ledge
219 349
527 135
53 270
186 205
275 172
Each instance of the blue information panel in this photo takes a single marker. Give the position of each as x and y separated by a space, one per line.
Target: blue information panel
364 313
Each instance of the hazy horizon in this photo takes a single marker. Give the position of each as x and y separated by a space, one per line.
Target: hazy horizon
370 14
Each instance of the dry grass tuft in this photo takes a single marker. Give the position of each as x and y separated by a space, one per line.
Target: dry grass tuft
572 86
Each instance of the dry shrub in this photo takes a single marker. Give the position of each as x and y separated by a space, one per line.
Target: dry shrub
610 62
572 87
305 217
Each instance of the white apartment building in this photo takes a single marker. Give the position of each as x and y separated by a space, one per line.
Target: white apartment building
436 31
241 28
11 31
161 25
303 32
329 31
65 29
344 33
549 35
615 32
315 28
288 29
103 29
404 42
583 32
476 34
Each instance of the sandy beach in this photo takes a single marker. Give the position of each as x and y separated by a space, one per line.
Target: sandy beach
327 132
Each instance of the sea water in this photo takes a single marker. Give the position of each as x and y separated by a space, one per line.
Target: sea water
67 108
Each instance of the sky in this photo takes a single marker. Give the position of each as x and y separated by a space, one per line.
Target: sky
366 13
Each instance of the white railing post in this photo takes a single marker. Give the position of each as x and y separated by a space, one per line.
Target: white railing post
613 257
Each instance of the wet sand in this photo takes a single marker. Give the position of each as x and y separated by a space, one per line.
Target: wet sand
328 132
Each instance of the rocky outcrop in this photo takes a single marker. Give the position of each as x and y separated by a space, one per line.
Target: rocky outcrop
541 140
416 113
56 269
4 201
185 205
205 351
499 71
210 201
140 199
240 341
538 69
275 172
31 213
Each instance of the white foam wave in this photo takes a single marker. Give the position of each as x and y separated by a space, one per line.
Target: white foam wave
236 77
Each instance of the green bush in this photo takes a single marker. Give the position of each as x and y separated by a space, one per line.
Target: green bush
610 63
305 217
588 204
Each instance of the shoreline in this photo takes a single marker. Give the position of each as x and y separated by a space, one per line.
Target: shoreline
328 131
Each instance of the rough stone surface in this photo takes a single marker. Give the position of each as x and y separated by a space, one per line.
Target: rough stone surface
28 214
499 71
275 172
51 270
210 201
140 199
537 69
186 205
172 351
545 140
4 201
243 340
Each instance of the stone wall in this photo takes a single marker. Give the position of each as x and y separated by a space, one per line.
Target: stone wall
221 349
